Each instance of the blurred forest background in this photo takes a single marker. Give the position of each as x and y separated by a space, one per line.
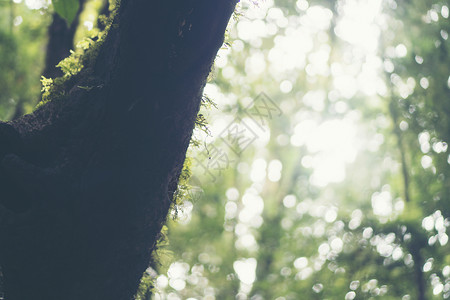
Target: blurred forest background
323 171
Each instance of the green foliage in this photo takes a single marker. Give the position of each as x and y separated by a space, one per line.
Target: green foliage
8 61
67 9
22 38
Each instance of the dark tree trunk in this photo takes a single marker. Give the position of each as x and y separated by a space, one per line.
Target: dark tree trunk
87 180
60 42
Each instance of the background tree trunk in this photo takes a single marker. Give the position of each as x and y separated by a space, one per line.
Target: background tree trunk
60 42
88 178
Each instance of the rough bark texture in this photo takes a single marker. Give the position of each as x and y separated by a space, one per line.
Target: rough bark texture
87 181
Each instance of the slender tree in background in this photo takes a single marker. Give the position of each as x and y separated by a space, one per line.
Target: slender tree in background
60 41
88 178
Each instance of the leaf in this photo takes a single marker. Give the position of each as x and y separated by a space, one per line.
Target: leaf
66 9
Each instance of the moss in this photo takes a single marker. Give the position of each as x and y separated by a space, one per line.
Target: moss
146 287
183 187
77 67
71 65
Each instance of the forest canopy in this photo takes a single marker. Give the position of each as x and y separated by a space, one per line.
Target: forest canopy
320 166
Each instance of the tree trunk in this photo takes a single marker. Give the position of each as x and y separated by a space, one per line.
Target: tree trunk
87 179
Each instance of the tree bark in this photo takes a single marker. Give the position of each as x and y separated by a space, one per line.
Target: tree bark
87 180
